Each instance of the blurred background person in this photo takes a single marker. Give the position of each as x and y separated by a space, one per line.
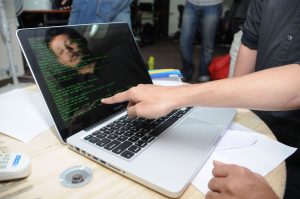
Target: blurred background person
95 11
269 41
203 15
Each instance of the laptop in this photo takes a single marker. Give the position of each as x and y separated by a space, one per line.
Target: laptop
76 66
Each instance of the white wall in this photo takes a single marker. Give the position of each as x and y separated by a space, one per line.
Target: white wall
174 13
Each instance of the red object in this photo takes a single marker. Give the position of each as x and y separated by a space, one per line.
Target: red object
219 67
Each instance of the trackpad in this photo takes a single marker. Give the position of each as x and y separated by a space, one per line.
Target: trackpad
195 134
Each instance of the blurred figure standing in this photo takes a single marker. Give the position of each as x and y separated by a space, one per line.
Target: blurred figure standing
205 16
99 11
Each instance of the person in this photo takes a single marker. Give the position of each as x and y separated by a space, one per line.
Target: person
90 74
230 181
205 16
268 41
95 11
238 13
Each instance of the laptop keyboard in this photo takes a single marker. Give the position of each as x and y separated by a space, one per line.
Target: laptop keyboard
128 136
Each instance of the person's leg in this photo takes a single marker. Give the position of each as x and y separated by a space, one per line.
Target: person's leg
210 22
85 11
187 35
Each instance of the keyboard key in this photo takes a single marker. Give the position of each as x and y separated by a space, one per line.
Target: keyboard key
125 128
156 123
88 137
122 138
119 132
128 134
148 138
119 149
145 130
134 149
108 131
103 142
115 128
127 154
112 145
141 143
133 139
139 134
101 135
93 140
134 129
95 133
156 132
112 136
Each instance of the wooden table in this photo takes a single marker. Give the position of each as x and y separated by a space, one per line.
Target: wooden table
50 158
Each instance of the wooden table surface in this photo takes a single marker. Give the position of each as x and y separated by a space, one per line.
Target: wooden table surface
50 158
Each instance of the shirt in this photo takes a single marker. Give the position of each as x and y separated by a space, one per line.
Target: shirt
272 27
205 2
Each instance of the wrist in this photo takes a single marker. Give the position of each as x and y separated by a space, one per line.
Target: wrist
182 96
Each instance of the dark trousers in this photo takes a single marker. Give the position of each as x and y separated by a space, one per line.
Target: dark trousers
287 132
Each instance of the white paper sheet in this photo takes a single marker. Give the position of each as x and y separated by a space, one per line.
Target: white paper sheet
235 140
261 157
168 81
23 114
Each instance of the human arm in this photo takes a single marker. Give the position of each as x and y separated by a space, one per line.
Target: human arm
272 89
245 62
246 59
231 181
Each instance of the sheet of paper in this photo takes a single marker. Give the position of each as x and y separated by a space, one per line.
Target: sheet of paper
261 157
23 114
234 140
168 81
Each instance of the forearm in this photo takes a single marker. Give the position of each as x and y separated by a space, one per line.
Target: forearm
272 89
245 62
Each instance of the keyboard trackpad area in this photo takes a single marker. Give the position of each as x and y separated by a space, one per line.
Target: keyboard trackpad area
194 134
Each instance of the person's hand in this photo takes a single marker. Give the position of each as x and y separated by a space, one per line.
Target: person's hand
148 101
235 182
63 2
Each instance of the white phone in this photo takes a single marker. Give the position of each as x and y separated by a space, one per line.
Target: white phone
14 165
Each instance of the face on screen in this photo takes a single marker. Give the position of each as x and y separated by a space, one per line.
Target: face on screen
67 51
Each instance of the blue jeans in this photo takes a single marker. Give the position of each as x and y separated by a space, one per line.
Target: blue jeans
100 11
206 19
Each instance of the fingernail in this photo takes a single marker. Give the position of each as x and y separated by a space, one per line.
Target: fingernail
216 162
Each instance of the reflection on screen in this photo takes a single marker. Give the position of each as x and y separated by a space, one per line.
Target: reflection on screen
81 66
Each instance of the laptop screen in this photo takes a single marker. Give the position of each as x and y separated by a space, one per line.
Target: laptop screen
76 66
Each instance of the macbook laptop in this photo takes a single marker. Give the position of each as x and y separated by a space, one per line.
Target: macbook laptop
76 66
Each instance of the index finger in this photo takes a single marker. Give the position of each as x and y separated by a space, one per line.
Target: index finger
221 169
117 98
63 2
